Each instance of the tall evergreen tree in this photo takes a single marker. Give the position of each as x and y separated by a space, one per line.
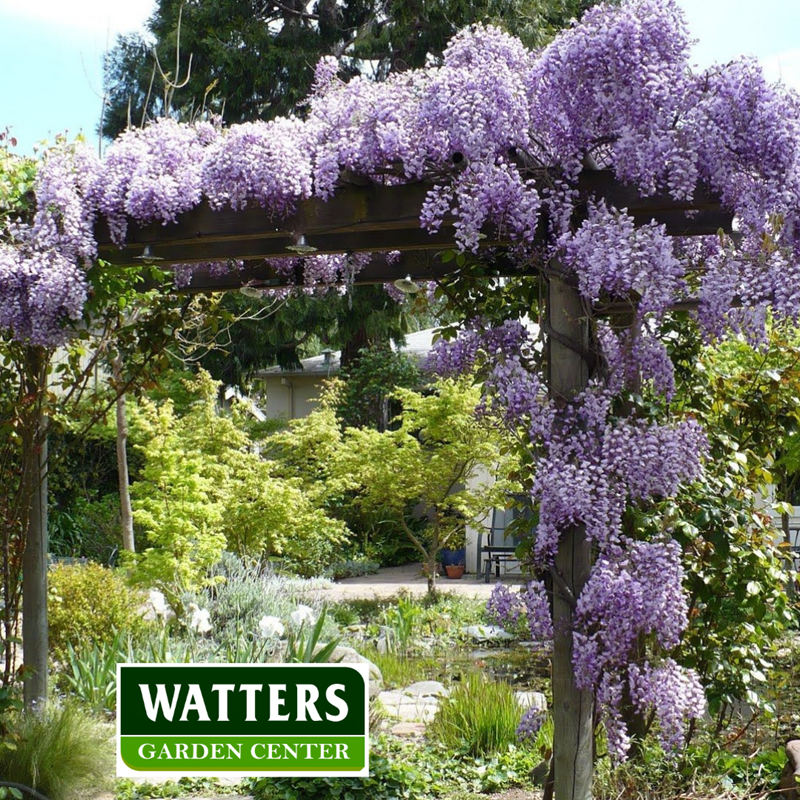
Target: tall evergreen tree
249 60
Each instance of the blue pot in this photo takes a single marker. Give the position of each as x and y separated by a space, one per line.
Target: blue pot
452 557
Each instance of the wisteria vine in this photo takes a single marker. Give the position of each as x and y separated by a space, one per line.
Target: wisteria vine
614 91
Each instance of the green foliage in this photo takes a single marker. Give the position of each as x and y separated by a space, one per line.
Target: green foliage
17 178
389 780
480 716
89 529
306 646
735 574
369 384
401 619
127 789
705 772
90 604
203 489
403 769
61 751
433 458
308 448
90 674
352 568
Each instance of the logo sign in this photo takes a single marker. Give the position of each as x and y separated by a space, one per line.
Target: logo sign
177 720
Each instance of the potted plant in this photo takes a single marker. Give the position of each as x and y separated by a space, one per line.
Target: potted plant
455 571
454 553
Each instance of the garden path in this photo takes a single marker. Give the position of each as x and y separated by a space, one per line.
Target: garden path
391 581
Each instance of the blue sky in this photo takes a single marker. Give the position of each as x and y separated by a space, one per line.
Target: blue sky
51 51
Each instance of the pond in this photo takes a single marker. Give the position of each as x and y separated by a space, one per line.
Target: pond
523 667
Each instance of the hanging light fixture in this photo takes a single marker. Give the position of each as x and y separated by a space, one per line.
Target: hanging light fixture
147 255
301 247
406 285
252 291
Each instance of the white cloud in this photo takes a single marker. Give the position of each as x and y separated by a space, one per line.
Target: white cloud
89 17
783 67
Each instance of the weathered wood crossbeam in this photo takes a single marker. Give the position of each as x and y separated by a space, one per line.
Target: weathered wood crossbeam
369 219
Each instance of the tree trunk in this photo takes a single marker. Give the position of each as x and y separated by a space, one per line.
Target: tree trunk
432 573
34 559
126 512
572 709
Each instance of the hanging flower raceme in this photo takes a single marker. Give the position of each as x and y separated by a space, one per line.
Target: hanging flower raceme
507 607
39 291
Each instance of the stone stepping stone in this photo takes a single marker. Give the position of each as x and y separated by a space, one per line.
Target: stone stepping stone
408 729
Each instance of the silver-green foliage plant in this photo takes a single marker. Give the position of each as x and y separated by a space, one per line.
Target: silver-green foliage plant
240 594
204 489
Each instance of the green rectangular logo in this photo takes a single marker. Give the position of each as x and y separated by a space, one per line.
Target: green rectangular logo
182 720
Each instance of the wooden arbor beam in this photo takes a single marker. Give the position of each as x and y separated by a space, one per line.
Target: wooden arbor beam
370 219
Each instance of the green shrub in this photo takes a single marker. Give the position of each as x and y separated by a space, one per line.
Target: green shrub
204 490
480 716
89 529
388 780
62 752
89 603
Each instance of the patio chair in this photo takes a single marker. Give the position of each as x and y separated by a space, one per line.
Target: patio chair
498 545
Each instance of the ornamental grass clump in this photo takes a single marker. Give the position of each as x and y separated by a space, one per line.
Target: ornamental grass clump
480 716
63 752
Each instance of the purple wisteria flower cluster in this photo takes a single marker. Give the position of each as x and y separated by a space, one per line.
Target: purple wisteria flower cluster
531 723
589 465
507 607
616 89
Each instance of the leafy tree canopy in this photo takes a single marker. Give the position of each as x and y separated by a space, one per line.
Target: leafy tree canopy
246 60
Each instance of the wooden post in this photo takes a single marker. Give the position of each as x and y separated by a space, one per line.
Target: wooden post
573 710
34 581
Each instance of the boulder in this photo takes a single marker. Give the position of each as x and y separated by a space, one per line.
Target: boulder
409 729
791 772
427 689
346 655
408 708
488 633
531 700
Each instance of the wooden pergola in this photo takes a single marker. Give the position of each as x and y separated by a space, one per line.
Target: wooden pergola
374 219
379 219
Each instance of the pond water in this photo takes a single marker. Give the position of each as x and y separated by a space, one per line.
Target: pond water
524 668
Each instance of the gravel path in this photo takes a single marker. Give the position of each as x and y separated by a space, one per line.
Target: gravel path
391 581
